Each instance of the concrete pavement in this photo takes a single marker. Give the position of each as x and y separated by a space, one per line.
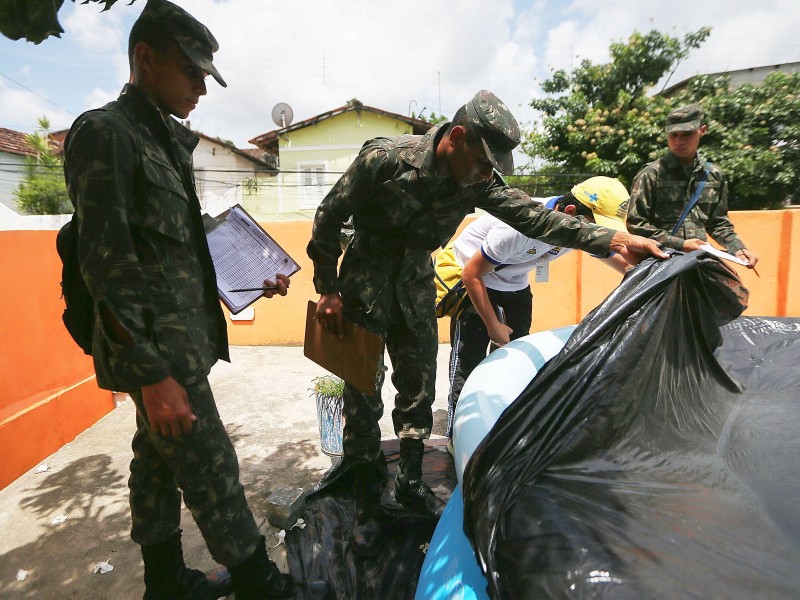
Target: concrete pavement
56 525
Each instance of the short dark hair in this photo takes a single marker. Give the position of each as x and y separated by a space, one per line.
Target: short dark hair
460 118
151 33
581 210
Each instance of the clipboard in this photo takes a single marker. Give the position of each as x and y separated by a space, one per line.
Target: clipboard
244 255
355 358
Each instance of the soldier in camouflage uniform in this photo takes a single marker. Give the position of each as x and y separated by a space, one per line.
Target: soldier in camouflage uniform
662 189
407 196
159 327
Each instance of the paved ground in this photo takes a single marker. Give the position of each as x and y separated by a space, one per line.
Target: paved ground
265 400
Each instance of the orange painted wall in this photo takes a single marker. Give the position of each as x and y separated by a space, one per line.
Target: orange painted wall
577 282
47 389
40 406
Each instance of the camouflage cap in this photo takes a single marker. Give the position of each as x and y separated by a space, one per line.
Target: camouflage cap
191 35
607 198
496 126
685 118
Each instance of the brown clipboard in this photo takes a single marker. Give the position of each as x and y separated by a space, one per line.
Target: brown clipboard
355 357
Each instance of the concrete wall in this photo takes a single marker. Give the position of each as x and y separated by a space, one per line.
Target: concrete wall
47 390
577 282
48 393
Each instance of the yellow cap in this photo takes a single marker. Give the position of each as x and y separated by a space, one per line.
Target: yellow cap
607 198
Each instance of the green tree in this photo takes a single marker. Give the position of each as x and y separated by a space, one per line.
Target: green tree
43 191
603 120
431 118
598 119
36 20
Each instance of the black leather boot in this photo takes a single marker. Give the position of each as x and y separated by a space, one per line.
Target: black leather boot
166 576
258 577
367 536
409 489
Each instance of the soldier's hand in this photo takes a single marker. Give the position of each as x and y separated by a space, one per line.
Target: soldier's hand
751 258
281 286
635 248
329 313
167 407
692 244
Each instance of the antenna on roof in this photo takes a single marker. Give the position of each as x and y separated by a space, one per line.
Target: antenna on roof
282 114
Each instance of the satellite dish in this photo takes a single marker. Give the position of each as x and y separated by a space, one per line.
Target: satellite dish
282 114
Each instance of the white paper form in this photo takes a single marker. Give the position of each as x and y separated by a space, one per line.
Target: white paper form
244 256
719 253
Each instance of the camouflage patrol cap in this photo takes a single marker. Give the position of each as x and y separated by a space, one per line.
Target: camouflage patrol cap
191 35
685 118
497 128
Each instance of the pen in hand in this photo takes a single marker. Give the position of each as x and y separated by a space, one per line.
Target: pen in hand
255 289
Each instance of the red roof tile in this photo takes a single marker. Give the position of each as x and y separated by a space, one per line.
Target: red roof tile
14 142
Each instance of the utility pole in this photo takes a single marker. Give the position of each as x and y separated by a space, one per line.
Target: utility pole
440 92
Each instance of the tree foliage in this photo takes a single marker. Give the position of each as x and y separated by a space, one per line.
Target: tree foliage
432 118
43 191
35 20
604 120
754 135
598 119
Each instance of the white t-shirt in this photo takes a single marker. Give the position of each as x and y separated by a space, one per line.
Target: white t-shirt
501 244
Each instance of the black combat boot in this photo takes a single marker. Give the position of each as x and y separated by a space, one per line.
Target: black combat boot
369 480
258 577
409 489
166 576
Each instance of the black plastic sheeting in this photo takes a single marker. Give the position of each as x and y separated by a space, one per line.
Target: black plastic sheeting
321 550
656 456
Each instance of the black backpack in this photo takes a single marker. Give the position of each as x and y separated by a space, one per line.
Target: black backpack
79 314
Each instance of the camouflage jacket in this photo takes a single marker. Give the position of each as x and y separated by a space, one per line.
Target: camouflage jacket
142 248
402 210
660 192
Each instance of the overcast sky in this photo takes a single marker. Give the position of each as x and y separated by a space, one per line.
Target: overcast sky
396 56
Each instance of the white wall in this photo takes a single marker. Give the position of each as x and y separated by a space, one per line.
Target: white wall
12 171
12 221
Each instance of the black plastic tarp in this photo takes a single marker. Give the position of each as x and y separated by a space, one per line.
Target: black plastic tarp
656 456
321 551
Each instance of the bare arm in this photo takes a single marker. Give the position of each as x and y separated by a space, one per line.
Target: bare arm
472 276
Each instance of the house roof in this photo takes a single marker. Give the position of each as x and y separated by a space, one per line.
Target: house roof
251 154
269 141
789 67
13 142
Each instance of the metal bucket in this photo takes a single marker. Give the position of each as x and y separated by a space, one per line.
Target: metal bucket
331 422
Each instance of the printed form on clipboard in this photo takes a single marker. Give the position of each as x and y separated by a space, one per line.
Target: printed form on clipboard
244 256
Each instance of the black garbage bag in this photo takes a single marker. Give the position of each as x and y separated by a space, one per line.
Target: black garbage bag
321 550
649 459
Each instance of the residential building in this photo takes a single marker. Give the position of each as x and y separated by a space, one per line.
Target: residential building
14 149
314 153
738 77
223 173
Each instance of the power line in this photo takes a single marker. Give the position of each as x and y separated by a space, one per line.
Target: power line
37 94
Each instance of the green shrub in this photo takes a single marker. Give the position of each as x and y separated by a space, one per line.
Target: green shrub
328 385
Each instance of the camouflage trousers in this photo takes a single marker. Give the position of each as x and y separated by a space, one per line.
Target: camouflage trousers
203 465
412 352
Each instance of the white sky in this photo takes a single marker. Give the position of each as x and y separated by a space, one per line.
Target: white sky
396 56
